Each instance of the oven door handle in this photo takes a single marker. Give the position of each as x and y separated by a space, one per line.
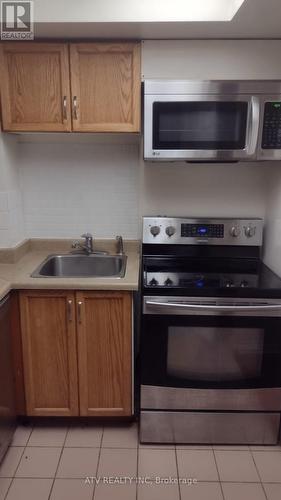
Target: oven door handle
215 308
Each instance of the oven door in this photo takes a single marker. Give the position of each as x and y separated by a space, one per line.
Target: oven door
211 354
201 127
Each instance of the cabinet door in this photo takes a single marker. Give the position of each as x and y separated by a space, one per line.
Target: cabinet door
49 352
105 83
105 353
35 87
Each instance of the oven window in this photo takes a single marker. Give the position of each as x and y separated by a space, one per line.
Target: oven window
215 354
200 125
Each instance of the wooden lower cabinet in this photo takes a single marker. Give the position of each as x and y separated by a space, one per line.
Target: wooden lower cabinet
104 327
49 352
77 353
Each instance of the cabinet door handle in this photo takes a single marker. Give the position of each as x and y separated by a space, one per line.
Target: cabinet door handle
80 311
64 108
75 116
69 310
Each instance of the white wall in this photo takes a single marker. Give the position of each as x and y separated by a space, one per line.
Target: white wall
11 213
204 190
211 59
71 188
272 254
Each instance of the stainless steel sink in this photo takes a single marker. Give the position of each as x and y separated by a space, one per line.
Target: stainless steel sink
82 266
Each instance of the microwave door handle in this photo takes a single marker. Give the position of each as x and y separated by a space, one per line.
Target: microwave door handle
254 122
202 307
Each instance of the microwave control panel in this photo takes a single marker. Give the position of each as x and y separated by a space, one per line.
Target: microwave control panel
271 136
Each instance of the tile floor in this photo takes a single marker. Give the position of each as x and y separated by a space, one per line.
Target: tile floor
60 463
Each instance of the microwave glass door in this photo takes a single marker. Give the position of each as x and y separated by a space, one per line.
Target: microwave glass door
211 352
202 125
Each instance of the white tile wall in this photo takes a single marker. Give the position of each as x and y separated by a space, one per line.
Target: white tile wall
11 218
4 203
72 188
4 220
11 212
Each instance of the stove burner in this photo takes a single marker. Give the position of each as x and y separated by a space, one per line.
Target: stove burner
168 282
229 284
173 279
153 282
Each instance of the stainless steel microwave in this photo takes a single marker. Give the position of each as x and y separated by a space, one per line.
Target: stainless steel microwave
213 121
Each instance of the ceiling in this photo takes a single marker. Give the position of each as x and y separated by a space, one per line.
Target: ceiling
255 19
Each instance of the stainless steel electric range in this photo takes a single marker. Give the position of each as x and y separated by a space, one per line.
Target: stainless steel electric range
210 333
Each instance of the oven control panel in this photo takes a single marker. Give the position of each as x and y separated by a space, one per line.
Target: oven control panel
206 230
183 231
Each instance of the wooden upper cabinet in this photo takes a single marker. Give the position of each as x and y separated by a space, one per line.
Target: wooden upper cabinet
104 330
49 352
35 87
104 79
105 84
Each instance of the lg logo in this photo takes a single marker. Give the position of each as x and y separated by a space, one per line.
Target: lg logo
17 20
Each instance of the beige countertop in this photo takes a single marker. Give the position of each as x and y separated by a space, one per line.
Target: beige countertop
4 288
16 275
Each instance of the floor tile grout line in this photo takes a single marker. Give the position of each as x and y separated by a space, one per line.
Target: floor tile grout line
69 447
62 448
217 467
258 472
14 475
98 461
40 446
178 472
137 473
101 440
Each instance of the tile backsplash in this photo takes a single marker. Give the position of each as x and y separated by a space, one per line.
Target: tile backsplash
72 188
11 218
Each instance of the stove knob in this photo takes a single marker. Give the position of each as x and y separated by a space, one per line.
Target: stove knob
155 230
153 282
168 282
170 230
250 231
244 284
235 231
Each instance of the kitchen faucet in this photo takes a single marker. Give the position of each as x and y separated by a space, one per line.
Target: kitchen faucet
120 245
88 242
87 247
